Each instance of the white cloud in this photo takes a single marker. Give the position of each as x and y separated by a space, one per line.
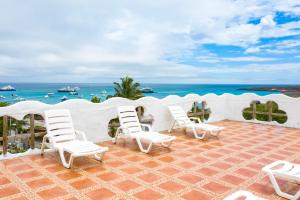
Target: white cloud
83 40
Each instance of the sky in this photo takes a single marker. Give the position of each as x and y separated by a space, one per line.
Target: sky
167 41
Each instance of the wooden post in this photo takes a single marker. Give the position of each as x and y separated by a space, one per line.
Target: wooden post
203 110
195 108
139 112
5 133
254 110
32 131
270 105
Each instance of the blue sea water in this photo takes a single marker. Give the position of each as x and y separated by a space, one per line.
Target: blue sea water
38 91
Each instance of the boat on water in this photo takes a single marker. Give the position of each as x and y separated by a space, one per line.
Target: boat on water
8 88
50 93
74 93
64 98
19 99
68 89
147 90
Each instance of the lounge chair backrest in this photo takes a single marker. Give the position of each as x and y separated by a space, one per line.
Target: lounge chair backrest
128 119
59 125
179 115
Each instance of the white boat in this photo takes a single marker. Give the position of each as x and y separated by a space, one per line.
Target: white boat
68 89
46 96
64 98
147 90
50 93
74 93
7 88
19 99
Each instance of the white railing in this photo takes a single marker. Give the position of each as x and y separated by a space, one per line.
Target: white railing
94 118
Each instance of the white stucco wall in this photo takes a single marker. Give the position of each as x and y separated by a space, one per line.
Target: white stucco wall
94 118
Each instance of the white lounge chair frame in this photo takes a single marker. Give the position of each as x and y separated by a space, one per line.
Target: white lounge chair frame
286 170
130 127
62 136
243 194
181 119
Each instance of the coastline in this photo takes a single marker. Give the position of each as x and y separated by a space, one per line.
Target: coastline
291 90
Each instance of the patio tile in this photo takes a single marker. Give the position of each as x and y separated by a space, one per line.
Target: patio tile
190 178
208 171
108 176
169 171
3 181
171 186
100 194
232 179
82 184
216 187
127 185
148 194
196 195
150 164
39 183
30 174
52 193
8 191
246 172
131 170
68 175
190 169
149 177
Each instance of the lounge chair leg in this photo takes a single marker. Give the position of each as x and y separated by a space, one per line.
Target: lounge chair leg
43 146
142 148
167 145
171 128
197 135
278 190
63 159
99 156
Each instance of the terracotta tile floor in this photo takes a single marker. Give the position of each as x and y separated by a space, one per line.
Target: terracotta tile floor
190 169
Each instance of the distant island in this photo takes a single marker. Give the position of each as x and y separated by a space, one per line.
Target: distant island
293 91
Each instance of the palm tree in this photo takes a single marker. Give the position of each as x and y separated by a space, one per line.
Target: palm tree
128 89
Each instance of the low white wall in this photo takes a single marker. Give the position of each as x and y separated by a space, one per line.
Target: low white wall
94 118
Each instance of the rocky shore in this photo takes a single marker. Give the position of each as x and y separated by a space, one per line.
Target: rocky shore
293 91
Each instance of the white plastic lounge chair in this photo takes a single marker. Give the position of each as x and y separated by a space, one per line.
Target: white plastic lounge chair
130 127
286 170
182 120
62 136
243 195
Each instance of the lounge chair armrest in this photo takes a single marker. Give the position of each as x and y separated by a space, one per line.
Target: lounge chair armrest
196 118
81 135
147 126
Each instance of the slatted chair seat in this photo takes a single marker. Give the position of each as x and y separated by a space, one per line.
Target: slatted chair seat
285 170
181 119
62 136
130 127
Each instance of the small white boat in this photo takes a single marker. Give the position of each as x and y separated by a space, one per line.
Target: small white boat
64 98
50 93
74 93
68 89
46 96
19 99
8 88
147 90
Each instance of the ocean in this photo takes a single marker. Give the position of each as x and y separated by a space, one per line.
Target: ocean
39 91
